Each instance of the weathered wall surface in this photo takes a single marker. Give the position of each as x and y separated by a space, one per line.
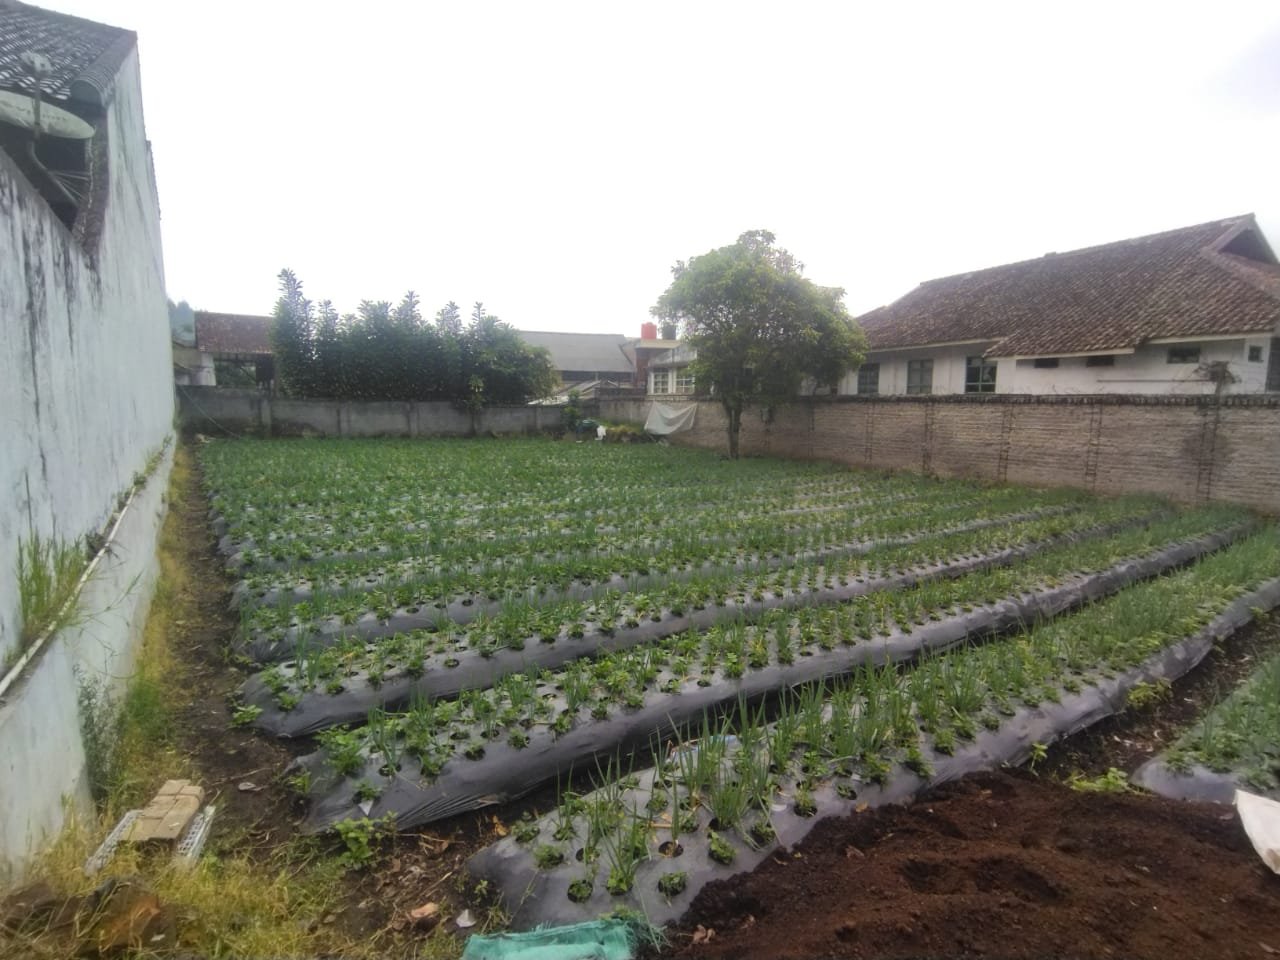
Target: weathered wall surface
42 758
1192 449
218 410
87 398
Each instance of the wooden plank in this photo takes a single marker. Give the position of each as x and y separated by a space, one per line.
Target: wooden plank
175 823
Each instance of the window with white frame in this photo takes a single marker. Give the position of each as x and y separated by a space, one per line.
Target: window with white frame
869 379
684 380
661 381
919 376
980 375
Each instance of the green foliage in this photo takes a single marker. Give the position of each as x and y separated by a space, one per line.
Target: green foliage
234 373
109 725
48 572
673 884
1143 695
759 327
571 413
546 856
385 352
1240 734
1113 781
359 837
625 433
719 849
245 714
100 734
1039 751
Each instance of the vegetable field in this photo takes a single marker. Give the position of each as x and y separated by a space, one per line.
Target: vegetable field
733 648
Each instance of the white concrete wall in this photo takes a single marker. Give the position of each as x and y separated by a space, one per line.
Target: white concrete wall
1145 371
43 777
221 410
87 393
86 397
948 369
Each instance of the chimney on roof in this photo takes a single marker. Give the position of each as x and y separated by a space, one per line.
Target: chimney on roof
649 331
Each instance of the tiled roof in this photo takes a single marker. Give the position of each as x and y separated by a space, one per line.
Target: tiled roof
1182 283
83 56
232 333
594 352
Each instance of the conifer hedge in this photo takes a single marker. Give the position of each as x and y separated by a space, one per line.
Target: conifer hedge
385 352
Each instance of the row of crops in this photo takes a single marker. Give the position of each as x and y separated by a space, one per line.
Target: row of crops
734 648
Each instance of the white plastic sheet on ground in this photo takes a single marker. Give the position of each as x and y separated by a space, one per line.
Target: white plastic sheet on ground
1261 819
665 418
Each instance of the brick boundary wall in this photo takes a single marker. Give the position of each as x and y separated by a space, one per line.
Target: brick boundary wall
1191 449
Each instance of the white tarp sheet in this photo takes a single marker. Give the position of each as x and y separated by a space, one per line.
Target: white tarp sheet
666 418
1261 819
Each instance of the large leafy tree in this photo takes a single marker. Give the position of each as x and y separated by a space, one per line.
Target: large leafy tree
386 352
762 331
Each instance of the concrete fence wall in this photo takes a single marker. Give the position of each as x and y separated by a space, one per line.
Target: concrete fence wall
219 410
86 399
1192 449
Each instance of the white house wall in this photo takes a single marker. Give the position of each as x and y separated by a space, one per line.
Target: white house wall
1146 371
87 397
948 369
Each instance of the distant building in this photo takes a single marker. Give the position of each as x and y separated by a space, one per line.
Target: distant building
238 343
670 374
1194 310
582 357
588 361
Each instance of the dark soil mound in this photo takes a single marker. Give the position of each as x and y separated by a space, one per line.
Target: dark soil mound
1001 865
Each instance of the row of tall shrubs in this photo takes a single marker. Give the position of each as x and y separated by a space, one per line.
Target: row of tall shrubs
385 352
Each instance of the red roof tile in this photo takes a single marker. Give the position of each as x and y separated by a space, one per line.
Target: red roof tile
1181 283
232 333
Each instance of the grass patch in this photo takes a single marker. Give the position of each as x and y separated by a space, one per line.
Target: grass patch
48 572
228 906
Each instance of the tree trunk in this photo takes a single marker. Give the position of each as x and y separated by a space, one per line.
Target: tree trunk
735 424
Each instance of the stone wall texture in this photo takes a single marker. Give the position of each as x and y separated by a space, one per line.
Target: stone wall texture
1191 449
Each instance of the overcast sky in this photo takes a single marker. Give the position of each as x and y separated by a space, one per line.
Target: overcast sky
555 159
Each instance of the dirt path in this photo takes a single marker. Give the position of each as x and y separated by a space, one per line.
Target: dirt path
1002 865
264 816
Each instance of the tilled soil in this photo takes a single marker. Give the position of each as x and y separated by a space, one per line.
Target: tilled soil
1001 865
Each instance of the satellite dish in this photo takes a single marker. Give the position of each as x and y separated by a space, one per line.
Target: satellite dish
20 110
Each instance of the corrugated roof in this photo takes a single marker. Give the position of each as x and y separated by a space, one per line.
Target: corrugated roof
83 55
237 333
1181 283
594 352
